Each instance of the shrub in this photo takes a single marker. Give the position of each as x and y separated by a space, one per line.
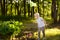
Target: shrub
10 28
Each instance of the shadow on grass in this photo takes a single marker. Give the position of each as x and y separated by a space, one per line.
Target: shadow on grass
53 26
56 37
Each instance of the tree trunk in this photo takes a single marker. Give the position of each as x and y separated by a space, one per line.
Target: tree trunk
19 12
43 8
18 8
28 10
38 6
0 1
54 13
59 12
6 7
59 18
24 8
32 11
11 8
3 7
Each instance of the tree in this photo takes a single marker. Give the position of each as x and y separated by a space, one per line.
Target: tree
0 1
3 7
28 10
18 8
38 6
54 13
43 8
6 8
58 7
24 8
11 6
59 18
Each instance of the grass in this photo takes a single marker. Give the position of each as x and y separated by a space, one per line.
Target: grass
51 34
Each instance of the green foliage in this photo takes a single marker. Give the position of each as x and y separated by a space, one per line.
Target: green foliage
32 4
10 27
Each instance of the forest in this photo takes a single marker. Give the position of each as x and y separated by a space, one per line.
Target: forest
17 19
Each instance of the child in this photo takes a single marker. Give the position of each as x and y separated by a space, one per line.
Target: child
41 25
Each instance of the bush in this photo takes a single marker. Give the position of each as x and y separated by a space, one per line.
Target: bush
10 28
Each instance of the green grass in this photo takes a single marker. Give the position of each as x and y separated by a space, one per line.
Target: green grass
51 34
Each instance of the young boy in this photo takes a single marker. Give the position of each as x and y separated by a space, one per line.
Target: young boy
41 25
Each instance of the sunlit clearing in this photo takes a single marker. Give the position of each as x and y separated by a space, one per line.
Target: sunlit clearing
52 32
49 32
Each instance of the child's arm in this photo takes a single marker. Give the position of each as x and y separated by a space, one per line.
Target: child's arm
43 21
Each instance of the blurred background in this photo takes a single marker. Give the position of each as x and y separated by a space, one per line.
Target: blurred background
17 17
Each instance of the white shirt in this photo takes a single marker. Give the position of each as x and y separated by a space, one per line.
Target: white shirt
40 22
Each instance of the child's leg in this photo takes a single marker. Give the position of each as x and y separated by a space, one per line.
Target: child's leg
43 31
38 33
